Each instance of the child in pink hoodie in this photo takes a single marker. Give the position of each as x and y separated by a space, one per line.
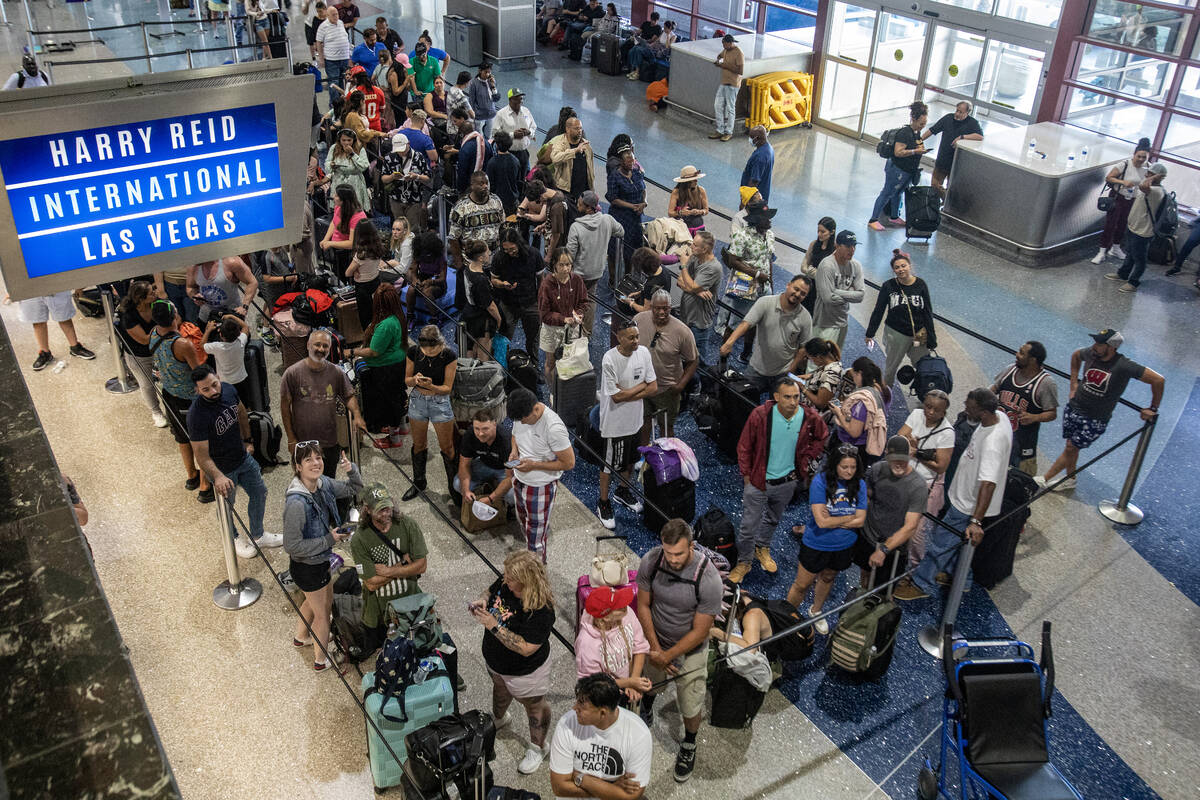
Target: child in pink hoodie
610 640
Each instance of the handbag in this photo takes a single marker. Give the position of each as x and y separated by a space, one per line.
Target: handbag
610 568
575 359
1108 193
920 335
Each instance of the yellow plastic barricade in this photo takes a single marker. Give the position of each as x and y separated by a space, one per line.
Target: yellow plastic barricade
780 100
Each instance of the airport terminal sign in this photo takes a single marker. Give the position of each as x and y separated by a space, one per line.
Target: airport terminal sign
88 197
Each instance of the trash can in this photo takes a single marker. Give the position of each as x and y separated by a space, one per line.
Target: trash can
469 42
450 35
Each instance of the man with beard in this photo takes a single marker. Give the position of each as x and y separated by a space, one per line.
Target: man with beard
308 397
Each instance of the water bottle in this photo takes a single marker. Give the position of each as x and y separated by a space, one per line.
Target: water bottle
1083 152
59 367
1070 159
1032 147
423 669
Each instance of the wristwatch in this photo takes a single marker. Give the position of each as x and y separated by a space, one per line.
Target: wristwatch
882 547
579 779
975 521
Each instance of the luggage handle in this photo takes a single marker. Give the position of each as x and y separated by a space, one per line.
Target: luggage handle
609 537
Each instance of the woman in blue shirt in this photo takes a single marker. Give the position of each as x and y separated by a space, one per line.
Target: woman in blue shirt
838 498
627 199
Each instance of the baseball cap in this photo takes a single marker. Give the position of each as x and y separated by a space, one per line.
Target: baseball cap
377 497
897 449
728 39
400 143
847 239
590 199
1157 168
1110 337
515 93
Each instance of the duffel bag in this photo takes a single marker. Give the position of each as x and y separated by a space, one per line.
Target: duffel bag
478 386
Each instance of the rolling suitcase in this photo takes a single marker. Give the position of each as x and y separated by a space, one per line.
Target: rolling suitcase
589 444
423 703
575 49
924 212
584 588
737 397
257 393
865 637
606 53
670 500
522 371
993 559
449 757
572 398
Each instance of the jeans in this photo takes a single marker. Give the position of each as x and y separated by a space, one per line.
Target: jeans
1192 240
637 55
895 181
760 516
725 108
1134 265
334 71
941 552
727 320
248 476
480 474
238 9
484 126
704 344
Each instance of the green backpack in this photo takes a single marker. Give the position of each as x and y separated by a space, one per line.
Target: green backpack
415 618
865 636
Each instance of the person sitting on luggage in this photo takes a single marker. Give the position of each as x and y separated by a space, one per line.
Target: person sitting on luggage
482 453
610 640
517 611
752 621
562 301
229 351
599 749
542 448
838 499
896 497
426 276
673 354
779 442
679 596
627 377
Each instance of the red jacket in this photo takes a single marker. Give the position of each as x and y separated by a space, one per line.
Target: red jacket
756 439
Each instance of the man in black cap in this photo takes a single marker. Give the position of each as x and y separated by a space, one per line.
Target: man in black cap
896 496
731 63
1094 395
838 283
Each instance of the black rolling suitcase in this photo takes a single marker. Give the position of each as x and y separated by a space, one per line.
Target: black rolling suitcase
606 53
256 392
670 500
993 559
575 48
923 212
737 397
522 371
571 399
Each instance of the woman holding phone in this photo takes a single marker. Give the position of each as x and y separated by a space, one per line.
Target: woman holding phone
429 376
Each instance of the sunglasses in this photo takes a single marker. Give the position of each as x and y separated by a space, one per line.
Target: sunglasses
847 450
654 339
301 445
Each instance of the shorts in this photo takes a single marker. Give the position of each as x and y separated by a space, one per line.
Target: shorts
1080 430
862 551
309 577
310 34
58 307
479 327
430 408
667 401
177 411
691 688
522 687
619 453
816 561
551 338
262 24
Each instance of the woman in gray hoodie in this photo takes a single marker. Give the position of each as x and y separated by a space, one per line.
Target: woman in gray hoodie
311 527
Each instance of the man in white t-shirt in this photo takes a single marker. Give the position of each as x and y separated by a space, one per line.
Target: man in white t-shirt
976 493
333 51
541 453
600 750
626 378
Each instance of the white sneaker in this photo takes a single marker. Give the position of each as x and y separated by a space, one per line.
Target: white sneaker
1040 481
1117 253
1099 257
271 540
504 721
821 626
1066 485
532 760
159 420
245 549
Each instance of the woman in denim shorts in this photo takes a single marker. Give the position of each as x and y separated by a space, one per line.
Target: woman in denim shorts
429 375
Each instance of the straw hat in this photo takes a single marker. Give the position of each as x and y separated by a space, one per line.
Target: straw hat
689 173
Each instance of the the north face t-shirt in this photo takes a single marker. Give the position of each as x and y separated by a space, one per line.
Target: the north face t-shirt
624 747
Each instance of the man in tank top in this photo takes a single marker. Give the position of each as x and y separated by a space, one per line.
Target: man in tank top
1029 396
225 286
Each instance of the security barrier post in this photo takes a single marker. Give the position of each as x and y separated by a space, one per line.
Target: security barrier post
930 636
124 383
236 592
1121 510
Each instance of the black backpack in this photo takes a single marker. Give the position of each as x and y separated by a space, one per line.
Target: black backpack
266 437
715 531
1166 224
348 629
886 148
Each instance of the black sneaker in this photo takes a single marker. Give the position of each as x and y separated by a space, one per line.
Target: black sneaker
625 496
685 762
1175 270
604 511
646 712
192 484
207 496
79 351
43 360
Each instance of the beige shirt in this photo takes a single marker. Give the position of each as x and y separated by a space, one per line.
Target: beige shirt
732 63
674 347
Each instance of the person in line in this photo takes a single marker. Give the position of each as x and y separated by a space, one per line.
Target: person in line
778 446
137 324
571 157
819 249
647 266
346 163
516 270
400 248
175 357
675 358
599 749
543 213
700 281
587 242
364 268
908 329
838 284
903 169
481 315
827 382
1099 376
679 596
222 286
390 39
429 376
542 449
437 104
731 62
333 53
931 439
504 173
427 275
976 493
760 165
781 327
1122 182
483 94
476 217
688 200
627 377
313 20
750 256
838 501
436 53
366 53
1140 232
228 350
219 430
517 614
423 67
953 128
747 196
896 501
312 525
627 198
517 121
407 179
347 216
611 640
562 301
1028 395
482 455
384 351
348 13
862 419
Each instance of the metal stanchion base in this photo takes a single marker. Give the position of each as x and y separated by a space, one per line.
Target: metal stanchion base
232 598
113 385
1130 515
930 638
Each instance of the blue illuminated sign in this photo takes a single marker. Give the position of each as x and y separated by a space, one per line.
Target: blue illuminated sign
89 197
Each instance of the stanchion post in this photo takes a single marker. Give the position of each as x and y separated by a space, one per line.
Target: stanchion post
1121 510
4 16
124 383
146 44
236 592
354 443
232 42
189 58
931 636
